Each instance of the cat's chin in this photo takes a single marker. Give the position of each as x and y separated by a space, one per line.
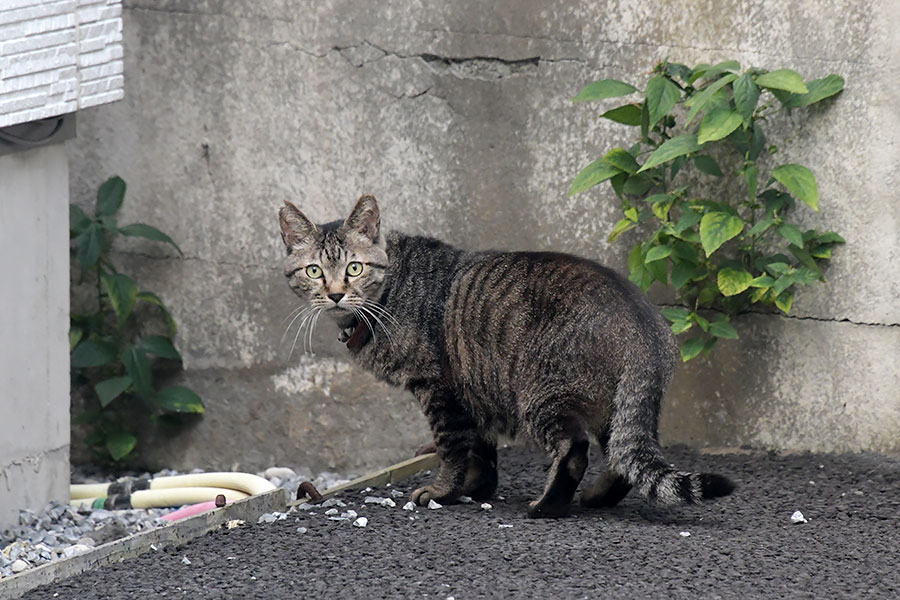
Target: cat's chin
343 317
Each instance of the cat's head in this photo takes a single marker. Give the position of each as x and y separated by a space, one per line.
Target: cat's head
337 266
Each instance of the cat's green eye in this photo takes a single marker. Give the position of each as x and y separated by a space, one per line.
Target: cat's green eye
314 271
354 269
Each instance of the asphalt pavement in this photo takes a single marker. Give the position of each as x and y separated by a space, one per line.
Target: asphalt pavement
743 546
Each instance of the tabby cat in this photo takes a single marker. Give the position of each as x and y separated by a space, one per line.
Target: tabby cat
546 346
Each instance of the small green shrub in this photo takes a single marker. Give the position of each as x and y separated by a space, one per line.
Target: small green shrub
109 352
720 255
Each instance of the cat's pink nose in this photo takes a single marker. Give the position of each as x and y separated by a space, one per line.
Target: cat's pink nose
335 297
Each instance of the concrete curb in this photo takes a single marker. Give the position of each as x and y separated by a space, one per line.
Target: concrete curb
393 474
184 531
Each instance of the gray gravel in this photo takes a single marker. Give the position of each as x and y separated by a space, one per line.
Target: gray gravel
59 531
743 546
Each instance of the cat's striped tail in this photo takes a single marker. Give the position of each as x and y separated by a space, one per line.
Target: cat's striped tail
633 450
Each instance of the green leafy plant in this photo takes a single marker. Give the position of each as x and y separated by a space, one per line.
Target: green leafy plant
701 128
110 353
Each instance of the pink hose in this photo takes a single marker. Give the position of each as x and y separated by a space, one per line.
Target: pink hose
189 511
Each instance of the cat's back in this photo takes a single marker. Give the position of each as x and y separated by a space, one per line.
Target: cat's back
506 304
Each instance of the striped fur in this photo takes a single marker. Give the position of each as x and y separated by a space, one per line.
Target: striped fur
544 346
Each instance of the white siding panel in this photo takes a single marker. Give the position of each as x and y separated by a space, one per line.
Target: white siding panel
57 56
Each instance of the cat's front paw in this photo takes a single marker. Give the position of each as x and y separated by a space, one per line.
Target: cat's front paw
345 334
424 495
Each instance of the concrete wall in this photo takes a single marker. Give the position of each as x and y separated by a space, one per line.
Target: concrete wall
34 321
459 120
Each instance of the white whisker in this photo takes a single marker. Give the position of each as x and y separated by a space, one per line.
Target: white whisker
387 333
300 312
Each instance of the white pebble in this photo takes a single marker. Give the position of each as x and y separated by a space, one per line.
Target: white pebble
280 472
302 530
486 506
373 500
305 506
798 517
361 522
19 565
185 561
387 503
75 549
331 511
350 514
685 534
465 500
409 505
504 526
397 494
434 505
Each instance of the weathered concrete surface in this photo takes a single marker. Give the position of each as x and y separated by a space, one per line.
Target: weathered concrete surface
459 120
34 324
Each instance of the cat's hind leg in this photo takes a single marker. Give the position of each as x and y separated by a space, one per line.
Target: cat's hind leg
481 476
607 490
568 447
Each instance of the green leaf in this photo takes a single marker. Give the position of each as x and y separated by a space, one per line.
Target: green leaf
637 185
688 219
622 160
819 89
778 268
682 273
681 326
150 233
75 335
746 95
706 164
621 227
78 221
662 95
830 237
717 125
703 323
90 246
716 228
791 234
677 146
805 275
120 444
660 205
800 181
596 172
763 281
159 346
605 88
783 79
784 301
673 313
718 69
723 329
691 348
641 277
122 292
761 227
783 283
708 295
804 257
685 252
110 389
629 114
152 298
92 353
110 196
733 281
179 399
657 253
137 364
696 102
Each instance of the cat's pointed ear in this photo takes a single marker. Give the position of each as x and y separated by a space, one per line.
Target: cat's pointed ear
365 219
296 229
